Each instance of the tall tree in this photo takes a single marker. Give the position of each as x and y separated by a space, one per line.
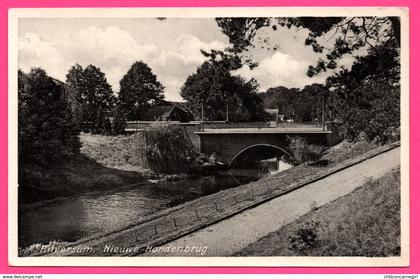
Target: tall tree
94 93
213 90
312 103
369 95
46 129
139 90
350 34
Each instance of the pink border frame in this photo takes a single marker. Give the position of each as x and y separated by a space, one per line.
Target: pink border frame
414 132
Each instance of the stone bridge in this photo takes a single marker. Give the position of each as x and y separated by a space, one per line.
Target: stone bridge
229 144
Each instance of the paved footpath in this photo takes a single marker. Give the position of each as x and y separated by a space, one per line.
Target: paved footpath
233 234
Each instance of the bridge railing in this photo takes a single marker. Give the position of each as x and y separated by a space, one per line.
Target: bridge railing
133 126
139 125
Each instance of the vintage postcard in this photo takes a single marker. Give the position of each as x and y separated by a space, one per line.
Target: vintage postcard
208 137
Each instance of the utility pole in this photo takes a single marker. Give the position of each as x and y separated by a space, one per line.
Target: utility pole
202 116
323 113
227 113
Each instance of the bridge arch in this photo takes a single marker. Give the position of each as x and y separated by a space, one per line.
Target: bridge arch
256 146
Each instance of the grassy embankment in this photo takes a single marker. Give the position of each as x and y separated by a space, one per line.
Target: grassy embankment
365 222
111 151
346 150
106 162
99 166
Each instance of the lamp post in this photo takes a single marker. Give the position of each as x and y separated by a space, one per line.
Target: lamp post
227 113
202 116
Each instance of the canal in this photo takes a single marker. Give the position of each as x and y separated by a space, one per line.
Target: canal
86 215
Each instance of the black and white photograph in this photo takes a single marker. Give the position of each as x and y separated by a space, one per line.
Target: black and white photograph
209 137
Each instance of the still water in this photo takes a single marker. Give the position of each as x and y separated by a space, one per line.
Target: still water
85 215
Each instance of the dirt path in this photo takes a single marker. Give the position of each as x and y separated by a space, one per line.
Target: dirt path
233 234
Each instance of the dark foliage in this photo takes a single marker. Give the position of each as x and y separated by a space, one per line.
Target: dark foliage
164 149
119 122
301 105
213 90
368 95
139 90
94 94
47 131
305 239
303 152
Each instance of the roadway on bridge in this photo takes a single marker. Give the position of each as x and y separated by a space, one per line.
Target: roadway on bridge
232 235
275 130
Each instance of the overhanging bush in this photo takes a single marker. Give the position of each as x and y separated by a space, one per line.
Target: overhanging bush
164 149
303 152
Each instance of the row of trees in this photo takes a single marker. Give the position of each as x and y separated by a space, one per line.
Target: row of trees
139 90
51 113
211 91
364 98
302 105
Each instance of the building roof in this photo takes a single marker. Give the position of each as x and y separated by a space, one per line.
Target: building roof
159 112
180 105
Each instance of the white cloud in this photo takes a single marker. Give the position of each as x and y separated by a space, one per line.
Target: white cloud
114 50
172 89
188 47
35 52
280 70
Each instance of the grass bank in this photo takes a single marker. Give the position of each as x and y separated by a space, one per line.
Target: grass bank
365 222
346 150
159 151
107 162
111 151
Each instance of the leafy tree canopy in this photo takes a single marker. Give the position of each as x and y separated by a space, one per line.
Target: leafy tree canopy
350 34
368 95
93 92
302 105
214 90
46 128
139 90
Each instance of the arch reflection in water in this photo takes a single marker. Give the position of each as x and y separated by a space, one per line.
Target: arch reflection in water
264 158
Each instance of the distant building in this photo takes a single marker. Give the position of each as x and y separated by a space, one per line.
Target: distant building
168 111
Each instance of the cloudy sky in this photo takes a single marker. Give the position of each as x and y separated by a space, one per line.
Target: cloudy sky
170 47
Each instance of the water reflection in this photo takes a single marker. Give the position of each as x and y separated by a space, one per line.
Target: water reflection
94 213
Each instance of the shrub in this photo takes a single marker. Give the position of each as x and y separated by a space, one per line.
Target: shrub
303 152
305 238
164 148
